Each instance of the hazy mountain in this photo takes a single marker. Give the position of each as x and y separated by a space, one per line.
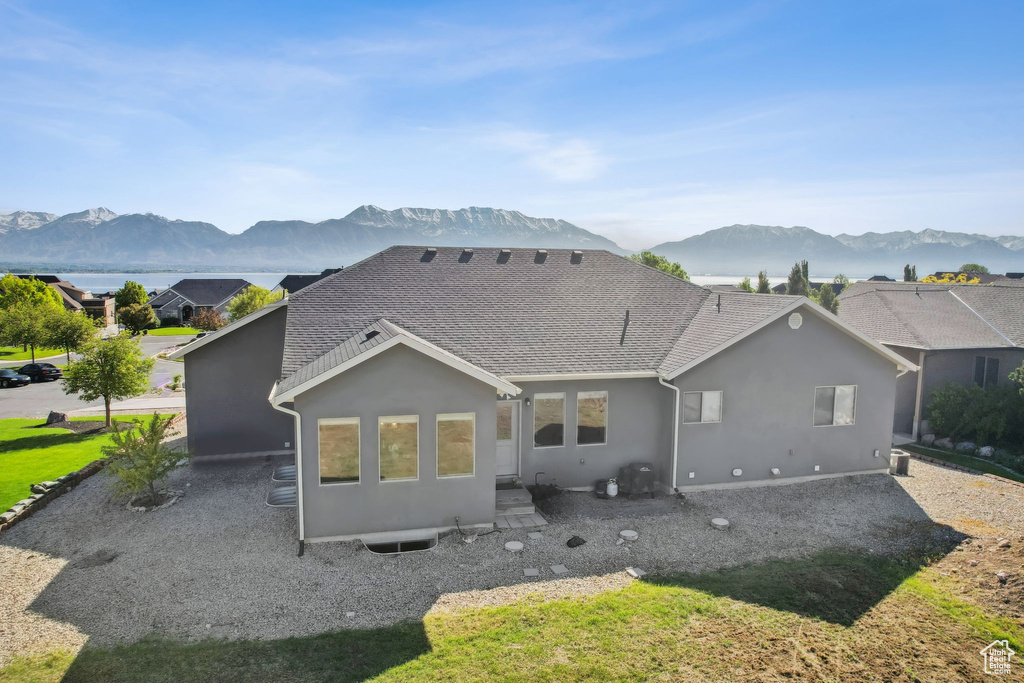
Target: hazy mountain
24 220
1014 242
744 249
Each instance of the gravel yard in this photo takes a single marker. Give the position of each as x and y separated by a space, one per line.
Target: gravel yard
220 563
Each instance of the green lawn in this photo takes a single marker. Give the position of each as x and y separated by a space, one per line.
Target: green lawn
29 455
829 617
168 331
15 353
964 461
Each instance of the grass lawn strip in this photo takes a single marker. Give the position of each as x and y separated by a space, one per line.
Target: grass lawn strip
834 616
171 331
965 461
10 353
30 454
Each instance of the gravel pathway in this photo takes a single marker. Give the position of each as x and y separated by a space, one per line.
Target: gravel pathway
220 563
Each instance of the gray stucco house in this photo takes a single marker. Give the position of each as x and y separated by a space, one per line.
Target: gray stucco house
953 333
189 296
408 384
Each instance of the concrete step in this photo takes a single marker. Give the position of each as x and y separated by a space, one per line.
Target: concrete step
514 509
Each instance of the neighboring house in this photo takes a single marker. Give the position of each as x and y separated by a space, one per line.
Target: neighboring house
75 299
953 333
186 298
880 278
408 384
837 287
293 283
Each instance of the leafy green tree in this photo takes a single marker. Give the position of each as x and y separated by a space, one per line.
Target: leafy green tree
913 272
208 320
111 369
1018 377
797 284
69 330
805 268
250 300
141 461
908 273
745 285
827 299
973 268
22 325
131 293
16 291
764 285
840 283
137 317
652 260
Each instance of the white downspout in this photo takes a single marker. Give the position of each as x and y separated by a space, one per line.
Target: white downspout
916 432
298 462
675 430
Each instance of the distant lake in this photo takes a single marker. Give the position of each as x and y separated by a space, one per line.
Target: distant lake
103 282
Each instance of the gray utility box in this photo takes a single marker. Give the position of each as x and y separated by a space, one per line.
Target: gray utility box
636 478
899 462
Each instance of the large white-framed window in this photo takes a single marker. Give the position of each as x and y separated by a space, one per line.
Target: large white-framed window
986 371
835 405
549 420
702 406
456 445
338 443
591 418
398 440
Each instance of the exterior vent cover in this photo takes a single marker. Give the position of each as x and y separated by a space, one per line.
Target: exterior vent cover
577 256
795 320
542 255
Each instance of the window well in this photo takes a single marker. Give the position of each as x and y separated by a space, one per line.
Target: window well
398 547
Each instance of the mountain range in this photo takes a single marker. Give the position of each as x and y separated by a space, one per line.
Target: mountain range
101 238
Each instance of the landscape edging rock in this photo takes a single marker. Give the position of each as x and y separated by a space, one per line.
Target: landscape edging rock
961 468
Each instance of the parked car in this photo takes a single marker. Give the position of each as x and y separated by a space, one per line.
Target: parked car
10 378
38 372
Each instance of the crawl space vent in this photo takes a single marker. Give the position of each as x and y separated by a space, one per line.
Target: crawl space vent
411 546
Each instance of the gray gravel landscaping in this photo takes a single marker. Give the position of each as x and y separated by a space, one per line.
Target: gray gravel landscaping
220 563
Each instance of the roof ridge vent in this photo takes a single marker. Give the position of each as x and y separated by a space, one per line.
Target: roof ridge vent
466 255
371 334
428 255
576 256
541 256
504 255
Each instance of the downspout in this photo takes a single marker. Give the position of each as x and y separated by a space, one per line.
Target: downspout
298 464
675 429
917 401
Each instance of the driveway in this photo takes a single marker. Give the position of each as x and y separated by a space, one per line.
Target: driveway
37 400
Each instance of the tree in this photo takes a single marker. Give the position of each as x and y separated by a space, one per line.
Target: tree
652 260
131 293
745 285
208 319
797 284
15 291
827 299
137 317
251 299
973 268
22 325
111 369
764 286
1018 377
913 272
840 283
805 270
69 330
909 274
140 459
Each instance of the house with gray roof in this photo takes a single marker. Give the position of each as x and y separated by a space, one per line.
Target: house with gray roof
189 296
293 283
953 333
413 386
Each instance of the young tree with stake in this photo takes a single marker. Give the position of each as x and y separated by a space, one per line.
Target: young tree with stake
111 369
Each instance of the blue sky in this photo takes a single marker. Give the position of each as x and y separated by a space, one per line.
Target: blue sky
642 121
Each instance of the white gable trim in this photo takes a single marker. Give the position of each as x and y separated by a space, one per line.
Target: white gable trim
901 363
414 343
572 376
227 329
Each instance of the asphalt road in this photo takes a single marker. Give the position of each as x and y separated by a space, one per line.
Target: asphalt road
37 400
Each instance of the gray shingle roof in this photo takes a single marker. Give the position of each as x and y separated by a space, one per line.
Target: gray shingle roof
936 316
209 291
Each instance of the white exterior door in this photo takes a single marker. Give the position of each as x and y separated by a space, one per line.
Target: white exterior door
508 438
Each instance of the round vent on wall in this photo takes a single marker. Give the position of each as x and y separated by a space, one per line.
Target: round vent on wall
795 320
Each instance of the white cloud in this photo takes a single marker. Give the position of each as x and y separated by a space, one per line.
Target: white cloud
570 160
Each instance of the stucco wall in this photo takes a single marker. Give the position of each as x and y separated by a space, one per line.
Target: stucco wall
768 382
227 383
906 393
639 430
941 367
399 381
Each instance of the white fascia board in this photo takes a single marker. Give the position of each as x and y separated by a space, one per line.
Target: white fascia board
416 344
226 330
571 376
901 362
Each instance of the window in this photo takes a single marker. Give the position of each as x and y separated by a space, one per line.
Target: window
702 406
339 450
835 405
986 371
504 422
456 438
399 447
548 420
591 418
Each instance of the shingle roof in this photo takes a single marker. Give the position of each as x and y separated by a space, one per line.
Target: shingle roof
936 316
508 313
209 291
293 283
